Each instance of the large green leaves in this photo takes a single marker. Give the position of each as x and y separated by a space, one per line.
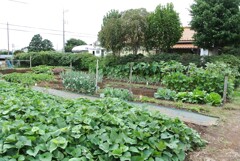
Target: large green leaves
42 127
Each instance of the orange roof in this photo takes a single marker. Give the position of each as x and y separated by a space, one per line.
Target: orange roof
187 34
184 46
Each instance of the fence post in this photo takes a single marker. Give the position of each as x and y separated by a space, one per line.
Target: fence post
30 61
130 75
71 64
96 76
225 89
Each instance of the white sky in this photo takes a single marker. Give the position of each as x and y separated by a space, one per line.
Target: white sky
83 18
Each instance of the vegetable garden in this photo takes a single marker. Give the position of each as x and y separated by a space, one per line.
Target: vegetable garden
36 126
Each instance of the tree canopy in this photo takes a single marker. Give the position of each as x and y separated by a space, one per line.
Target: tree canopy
164 28
72 43
137 28
216 22
37 44
111 33
134 24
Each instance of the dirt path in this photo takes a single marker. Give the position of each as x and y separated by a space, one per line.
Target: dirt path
224 140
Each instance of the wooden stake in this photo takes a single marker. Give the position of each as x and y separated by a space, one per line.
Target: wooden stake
30 61
97 76
225 89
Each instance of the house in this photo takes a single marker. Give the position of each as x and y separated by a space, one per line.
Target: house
92 49
185 44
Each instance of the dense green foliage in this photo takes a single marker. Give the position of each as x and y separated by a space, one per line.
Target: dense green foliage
36 126
72 43
79 81
111 33
136 28
121 93
178 77
196 96
216 23
37 44
27 79
42 69
134 24
83 61
164 28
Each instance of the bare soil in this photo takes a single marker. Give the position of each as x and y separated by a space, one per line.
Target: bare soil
223 140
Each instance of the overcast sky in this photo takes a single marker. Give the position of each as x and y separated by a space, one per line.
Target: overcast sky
83 18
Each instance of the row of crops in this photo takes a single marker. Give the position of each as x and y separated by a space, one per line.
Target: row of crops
175 77
37 126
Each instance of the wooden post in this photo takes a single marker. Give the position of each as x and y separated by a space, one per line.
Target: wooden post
30 61
97 76
130 76
71 65
225 89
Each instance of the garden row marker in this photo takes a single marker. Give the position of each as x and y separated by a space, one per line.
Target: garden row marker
225 89
97 76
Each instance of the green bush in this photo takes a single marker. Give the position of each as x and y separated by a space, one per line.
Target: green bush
213 99
178 81
123 94
79 81
37 126
197 96
83 61
166 94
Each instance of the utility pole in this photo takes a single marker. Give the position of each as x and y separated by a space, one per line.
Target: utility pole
8 37
63 33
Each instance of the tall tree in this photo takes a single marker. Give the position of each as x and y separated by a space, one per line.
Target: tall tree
37 44
111 34
72 43
164 28
47 45
216 22
134 24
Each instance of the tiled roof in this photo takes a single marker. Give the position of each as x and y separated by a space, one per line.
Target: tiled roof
187 34
184 46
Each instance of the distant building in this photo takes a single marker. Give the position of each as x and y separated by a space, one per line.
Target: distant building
92 49
185 44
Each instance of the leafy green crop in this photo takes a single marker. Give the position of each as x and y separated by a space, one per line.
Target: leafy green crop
27 78
36 126
42 69
79 81
118 93
197 96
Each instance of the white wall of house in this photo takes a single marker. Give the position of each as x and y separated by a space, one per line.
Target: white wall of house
204 52
95 50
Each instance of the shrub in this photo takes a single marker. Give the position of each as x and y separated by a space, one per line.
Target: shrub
123 94
166 94
213 99
178 81
79 81
83 61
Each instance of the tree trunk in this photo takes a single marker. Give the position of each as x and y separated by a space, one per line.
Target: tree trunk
135 50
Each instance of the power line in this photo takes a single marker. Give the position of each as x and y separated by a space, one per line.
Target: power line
20 30
54 30
18 1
